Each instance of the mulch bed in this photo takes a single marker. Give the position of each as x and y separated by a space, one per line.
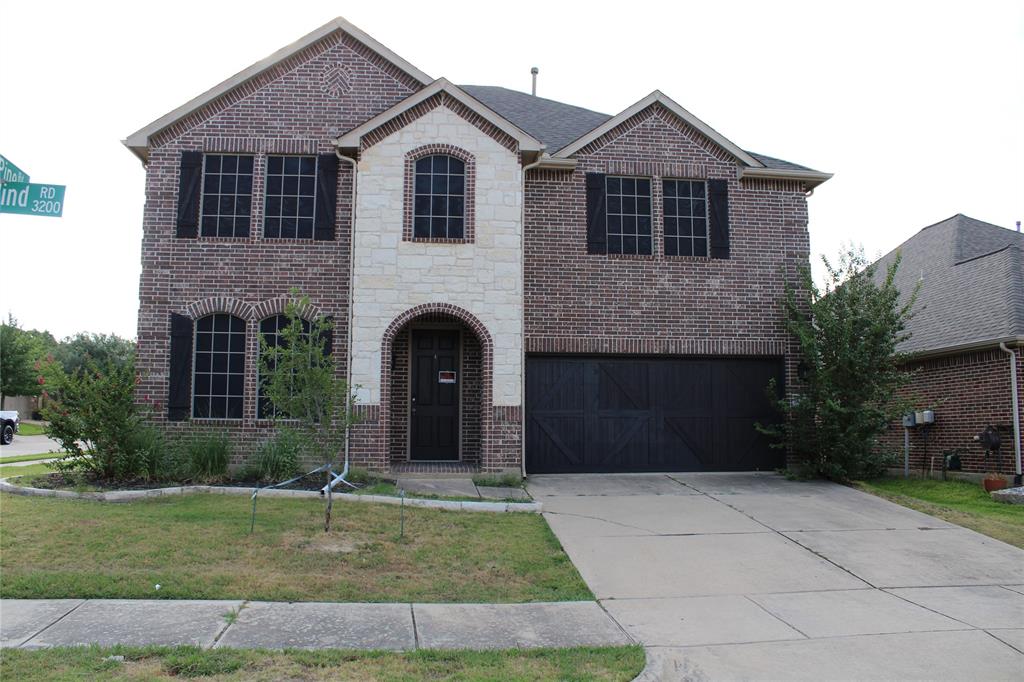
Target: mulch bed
60 481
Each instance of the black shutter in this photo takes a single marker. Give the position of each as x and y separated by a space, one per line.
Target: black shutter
179 397
597 225
188 193
326 197
718 199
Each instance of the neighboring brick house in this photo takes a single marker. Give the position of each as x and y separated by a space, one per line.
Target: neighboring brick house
515 282
971 300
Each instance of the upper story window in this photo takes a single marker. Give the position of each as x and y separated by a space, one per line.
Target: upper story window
686 217
218 367
227 195
291 197
629 215
439 203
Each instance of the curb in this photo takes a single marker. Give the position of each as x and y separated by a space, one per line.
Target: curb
131 495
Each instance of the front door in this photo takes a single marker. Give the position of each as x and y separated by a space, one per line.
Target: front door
434 412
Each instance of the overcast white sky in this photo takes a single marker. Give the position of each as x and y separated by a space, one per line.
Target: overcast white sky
918 108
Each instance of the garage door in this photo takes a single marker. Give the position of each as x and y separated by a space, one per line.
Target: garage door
587 414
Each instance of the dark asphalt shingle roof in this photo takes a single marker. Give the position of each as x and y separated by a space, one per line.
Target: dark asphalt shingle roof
972 283
557 124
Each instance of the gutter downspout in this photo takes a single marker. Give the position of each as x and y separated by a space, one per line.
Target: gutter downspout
1015 397
522 319
348 340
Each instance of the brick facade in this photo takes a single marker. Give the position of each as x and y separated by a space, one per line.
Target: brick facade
658 304
967 391
520 282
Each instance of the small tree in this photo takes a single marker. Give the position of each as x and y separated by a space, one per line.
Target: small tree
847 335
73 351
302 382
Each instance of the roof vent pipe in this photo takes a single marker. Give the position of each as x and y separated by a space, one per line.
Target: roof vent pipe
1018 222
534 71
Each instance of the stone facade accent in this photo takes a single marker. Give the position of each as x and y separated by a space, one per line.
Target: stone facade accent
392 275
967 391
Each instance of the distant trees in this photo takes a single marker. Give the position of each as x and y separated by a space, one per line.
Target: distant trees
29 357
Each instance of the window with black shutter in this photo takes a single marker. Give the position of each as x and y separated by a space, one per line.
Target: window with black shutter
290 203
227 195
686 217
628 215
219 367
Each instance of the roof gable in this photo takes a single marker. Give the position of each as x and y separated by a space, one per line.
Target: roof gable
657 97
138 142
358 136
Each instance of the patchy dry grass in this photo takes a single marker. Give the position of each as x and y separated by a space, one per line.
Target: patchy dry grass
961 502
158 663
198 546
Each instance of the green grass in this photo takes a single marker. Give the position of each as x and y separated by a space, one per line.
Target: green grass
27 458
500 481
198 546
31 430
149 663
961 502
28 470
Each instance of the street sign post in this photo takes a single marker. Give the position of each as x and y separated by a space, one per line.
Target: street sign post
29 198
11 173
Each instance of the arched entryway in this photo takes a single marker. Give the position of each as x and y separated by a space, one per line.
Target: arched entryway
436 388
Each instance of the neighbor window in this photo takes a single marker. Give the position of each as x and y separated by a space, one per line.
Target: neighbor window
227 195
686 218
291 197
219 367
629 215
439 198
270 331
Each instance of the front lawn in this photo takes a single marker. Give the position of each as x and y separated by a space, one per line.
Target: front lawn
28 458
197 546
148 663
961 502
26 470
25 429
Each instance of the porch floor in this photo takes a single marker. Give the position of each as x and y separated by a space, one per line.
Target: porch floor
434 469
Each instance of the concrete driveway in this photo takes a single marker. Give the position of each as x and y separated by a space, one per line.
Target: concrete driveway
750 576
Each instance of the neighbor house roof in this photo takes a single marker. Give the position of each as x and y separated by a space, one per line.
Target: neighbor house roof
972 285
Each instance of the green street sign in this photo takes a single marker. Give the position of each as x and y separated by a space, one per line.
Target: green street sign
11 173
28 198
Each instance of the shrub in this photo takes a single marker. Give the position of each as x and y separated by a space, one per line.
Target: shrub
207 456
847 335
278 458
92 414
156 461
505 480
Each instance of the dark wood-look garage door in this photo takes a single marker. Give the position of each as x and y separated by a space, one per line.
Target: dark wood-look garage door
587 414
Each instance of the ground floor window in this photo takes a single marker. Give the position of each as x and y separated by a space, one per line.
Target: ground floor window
219 367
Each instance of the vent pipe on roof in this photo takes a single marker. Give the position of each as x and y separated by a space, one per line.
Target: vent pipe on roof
534 71
1018 222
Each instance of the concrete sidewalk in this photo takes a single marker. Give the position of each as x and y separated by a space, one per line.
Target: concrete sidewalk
35 623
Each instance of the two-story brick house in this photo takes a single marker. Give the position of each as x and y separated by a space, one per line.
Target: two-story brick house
514 282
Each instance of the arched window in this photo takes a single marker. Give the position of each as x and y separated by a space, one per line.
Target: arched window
219 367
270 331
439 206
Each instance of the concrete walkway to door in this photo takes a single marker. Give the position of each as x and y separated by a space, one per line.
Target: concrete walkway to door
751 576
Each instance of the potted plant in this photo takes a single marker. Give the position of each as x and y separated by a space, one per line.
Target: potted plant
993 481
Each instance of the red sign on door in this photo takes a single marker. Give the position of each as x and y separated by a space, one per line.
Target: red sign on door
446 377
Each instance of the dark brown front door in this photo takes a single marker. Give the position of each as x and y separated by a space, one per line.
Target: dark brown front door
434 433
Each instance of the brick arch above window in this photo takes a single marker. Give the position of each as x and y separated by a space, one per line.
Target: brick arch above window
277 306
469 193
220 304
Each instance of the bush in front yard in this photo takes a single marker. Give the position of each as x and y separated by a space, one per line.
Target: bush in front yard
847 335
92 414
207 456
278 458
